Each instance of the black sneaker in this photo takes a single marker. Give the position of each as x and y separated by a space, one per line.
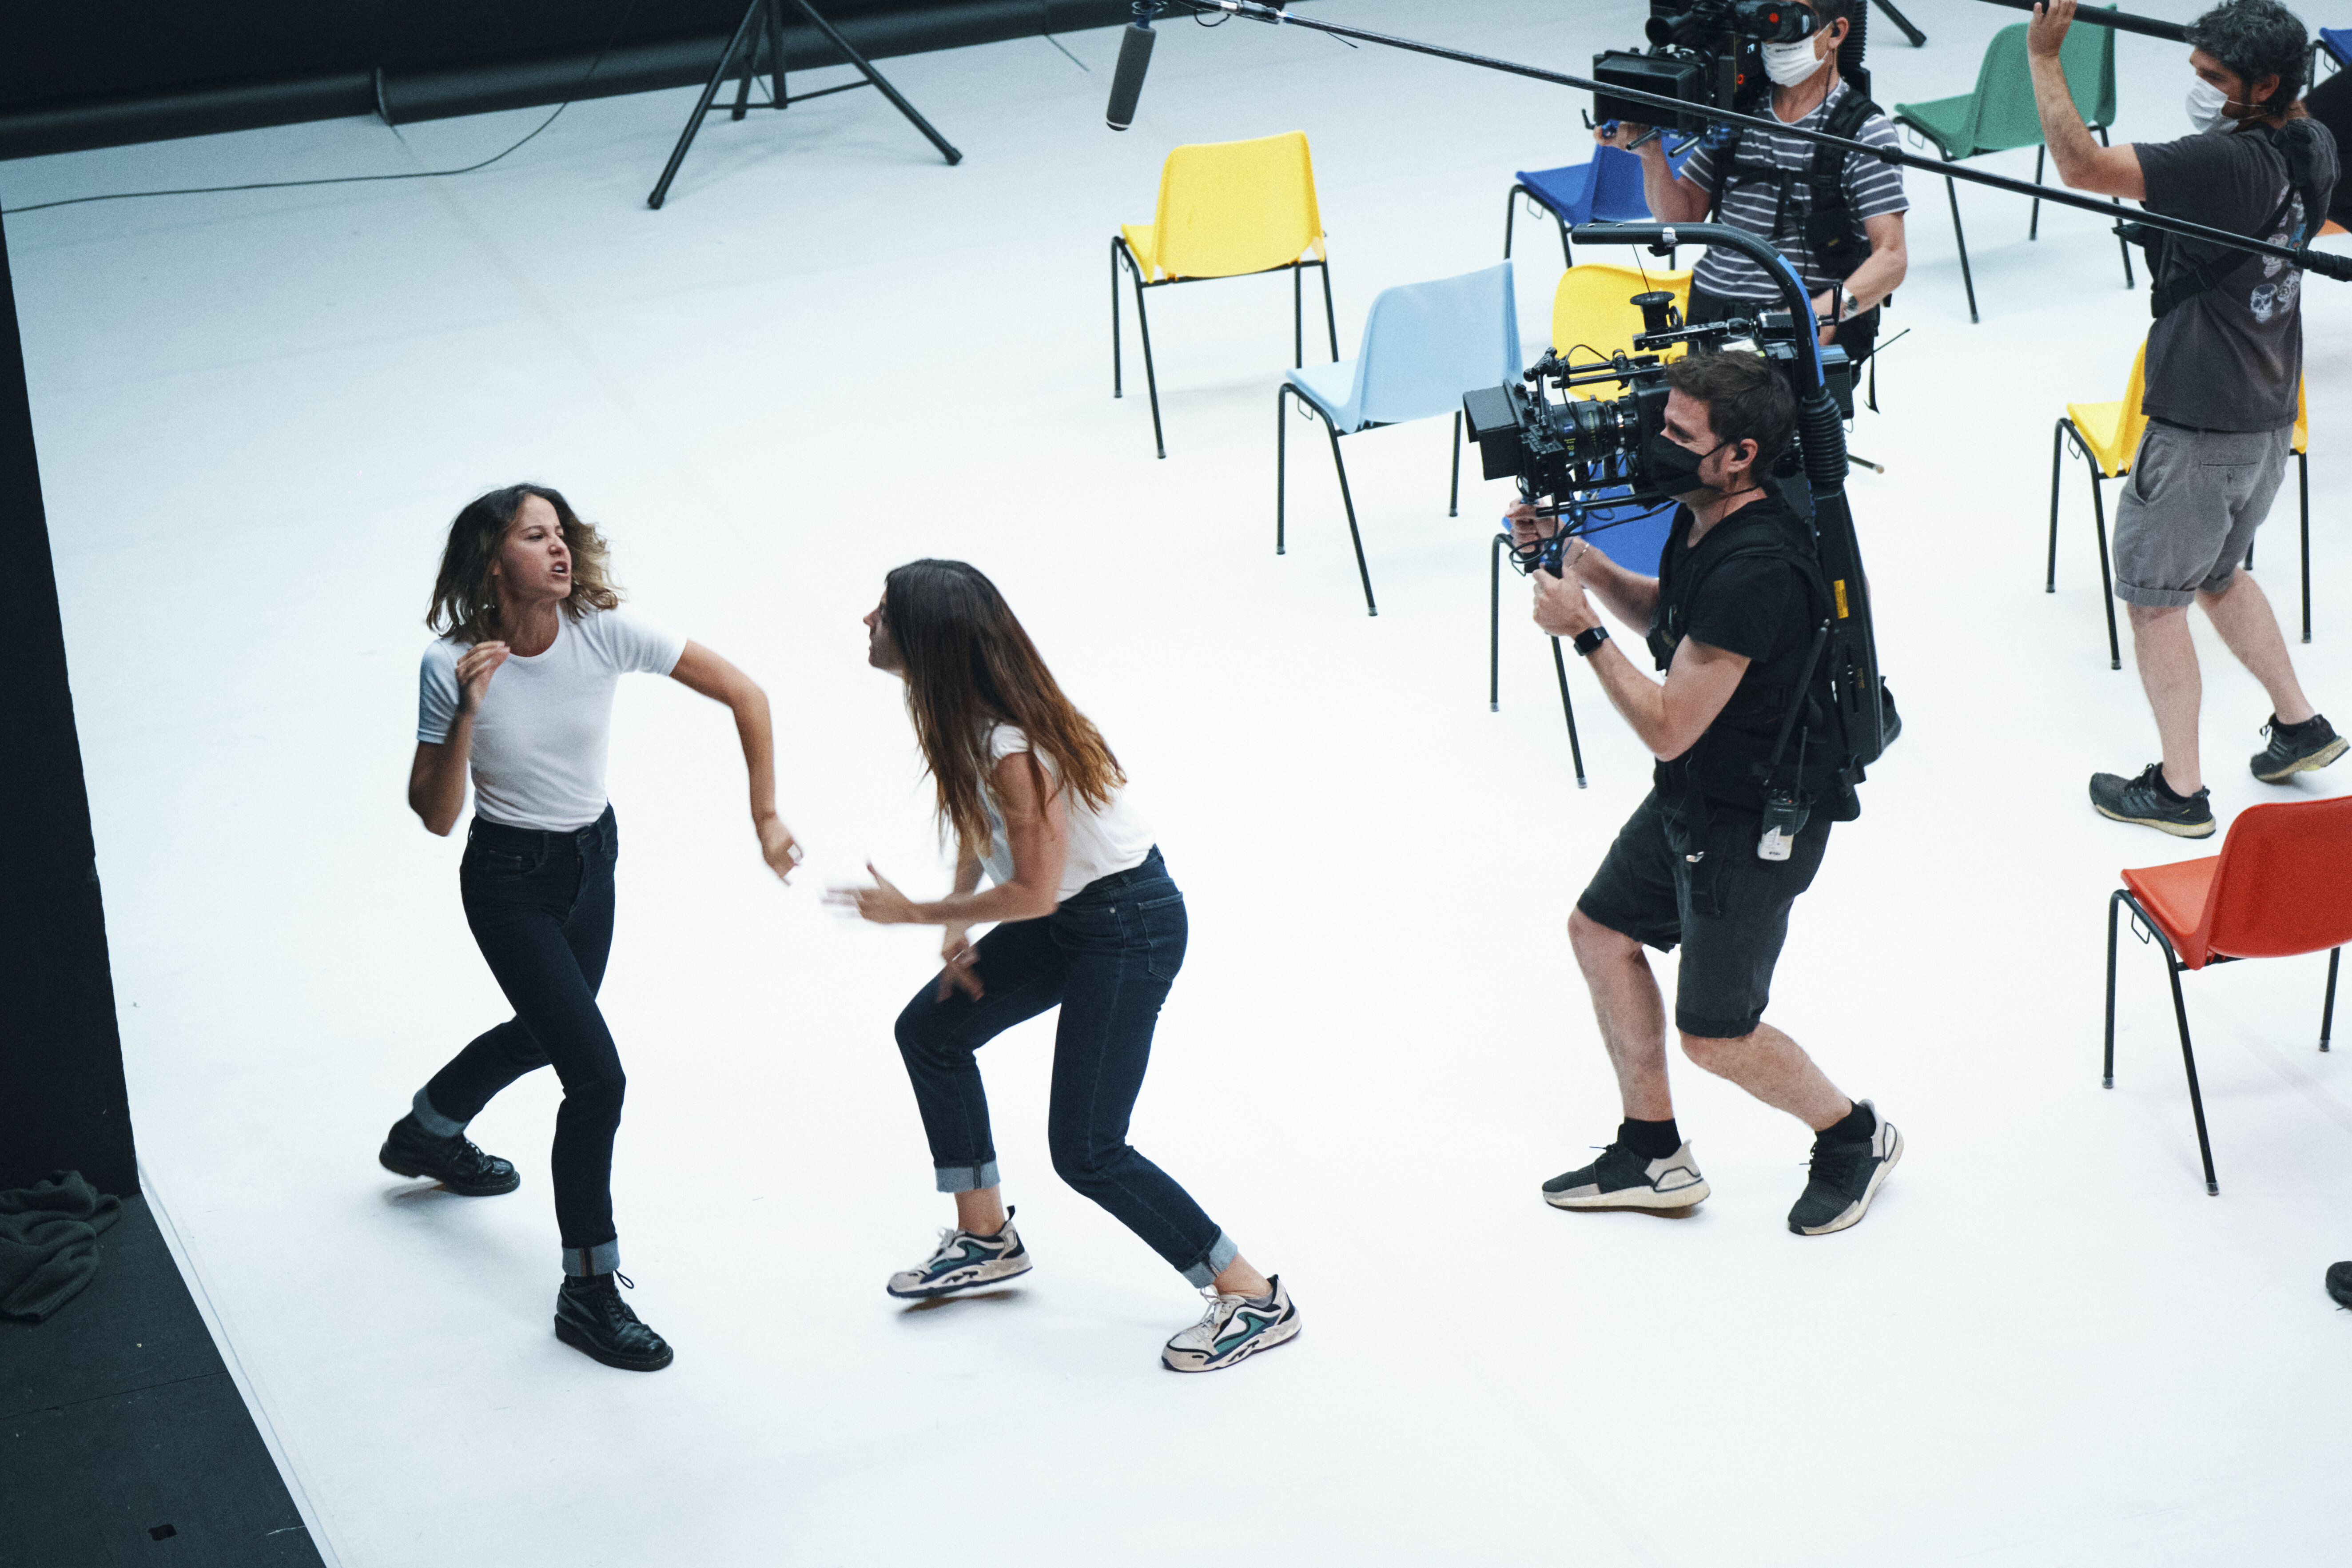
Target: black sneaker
2146 801
591 1317
410 1150
1846 1175
2297 748
1622 1179
2339 1283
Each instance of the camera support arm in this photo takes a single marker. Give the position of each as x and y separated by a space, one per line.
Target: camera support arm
2326 263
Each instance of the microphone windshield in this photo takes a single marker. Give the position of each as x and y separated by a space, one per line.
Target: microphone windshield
1127 84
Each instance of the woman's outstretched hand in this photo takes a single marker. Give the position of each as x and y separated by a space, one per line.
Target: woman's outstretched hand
882 903
958 955
779 848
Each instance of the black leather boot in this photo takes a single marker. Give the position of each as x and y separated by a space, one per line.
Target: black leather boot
591 1317
456 1164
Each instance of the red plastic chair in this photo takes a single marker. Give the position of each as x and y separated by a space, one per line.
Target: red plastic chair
2281 886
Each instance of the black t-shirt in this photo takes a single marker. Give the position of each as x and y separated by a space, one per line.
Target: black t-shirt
1760 607
2231 358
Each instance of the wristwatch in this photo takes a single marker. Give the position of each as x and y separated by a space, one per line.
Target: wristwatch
1848 306
1590 639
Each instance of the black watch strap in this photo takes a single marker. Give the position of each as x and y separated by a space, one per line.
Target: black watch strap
1587 639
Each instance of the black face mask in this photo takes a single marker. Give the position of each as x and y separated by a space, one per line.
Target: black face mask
1674 465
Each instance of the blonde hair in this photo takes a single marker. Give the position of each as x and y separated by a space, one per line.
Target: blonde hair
465 594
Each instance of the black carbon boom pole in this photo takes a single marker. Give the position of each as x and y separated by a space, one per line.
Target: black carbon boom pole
2325 263
2121 21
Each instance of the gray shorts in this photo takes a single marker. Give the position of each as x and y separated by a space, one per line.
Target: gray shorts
2189 509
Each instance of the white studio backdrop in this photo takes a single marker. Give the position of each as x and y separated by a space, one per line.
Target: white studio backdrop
830 354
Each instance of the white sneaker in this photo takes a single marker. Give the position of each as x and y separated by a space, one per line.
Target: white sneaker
1234 1329
964 1262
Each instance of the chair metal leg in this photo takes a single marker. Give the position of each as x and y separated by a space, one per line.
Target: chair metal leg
1115 244
1495 628
2106 582
1281 456
1330 322
1297 322
1347 501
2327 1008
2057 455
2302 485
1510 217
1961 239
1454 509
1568 710
1567 251
1151 373
2114 908
2034 227
2188 1063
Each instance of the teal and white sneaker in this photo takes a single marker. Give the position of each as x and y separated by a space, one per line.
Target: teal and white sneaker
1234 1329
962 1263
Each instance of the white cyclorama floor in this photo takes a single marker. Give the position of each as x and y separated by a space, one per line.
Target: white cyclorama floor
830 354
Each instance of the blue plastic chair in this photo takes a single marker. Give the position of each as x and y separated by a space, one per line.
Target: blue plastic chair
2337 42
1608 189
1425 345
1634 541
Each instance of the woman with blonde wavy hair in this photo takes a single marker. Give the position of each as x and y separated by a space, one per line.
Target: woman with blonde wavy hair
1088 919
517 694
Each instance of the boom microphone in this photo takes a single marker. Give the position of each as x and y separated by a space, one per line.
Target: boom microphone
1134 56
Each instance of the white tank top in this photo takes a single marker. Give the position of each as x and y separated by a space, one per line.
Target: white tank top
1115 838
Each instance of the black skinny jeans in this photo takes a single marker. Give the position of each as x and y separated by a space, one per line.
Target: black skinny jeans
1108 957
541 905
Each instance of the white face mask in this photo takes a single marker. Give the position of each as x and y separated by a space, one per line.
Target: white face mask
2205 104
1788 64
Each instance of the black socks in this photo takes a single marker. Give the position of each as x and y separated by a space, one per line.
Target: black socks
1857 1127
1650 1140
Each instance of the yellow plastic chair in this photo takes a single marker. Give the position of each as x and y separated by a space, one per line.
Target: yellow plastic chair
1227 210
1592 307
2106 437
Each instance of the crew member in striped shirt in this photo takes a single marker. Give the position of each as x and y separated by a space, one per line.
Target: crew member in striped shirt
1771 193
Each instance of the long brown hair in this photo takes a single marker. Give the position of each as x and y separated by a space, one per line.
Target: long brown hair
969 666
465 596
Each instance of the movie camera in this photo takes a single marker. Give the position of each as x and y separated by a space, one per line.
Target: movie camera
1707 54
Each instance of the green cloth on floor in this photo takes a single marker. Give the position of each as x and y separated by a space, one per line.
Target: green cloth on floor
48 1243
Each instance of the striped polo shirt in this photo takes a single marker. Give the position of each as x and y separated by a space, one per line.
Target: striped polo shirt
1770 163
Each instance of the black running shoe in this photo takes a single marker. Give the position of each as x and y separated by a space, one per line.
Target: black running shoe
591 1317
2146 801
1846 1175
2339 1283
2297 749
410 1150
1622 1179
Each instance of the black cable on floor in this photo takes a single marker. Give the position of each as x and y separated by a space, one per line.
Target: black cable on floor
628 9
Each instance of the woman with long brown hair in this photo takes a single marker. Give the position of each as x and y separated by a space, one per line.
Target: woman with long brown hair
523 596
1088 920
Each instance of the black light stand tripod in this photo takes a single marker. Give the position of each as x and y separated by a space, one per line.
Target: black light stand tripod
764 19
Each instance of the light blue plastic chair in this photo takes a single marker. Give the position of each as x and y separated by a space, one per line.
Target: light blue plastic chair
1426 345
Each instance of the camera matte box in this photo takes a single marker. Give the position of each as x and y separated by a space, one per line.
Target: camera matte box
1668 76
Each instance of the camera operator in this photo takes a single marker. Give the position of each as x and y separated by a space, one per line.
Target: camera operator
1730 620
1776 187
2224 366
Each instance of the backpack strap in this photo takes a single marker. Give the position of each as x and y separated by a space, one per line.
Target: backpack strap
1832 232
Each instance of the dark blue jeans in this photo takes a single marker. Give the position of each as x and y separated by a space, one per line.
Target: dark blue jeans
1106 956
541 905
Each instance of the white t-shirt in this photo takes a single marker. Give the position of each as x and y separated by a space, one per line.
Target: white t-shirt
1115 838
546 722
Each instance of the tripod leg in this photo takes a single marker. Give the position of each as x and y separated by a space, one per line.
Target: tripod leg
776 55
1918 39
922 124
1575 751
701 107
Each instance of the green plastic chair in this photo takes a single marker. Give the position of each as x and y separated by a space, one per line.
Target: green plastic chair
1999 115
